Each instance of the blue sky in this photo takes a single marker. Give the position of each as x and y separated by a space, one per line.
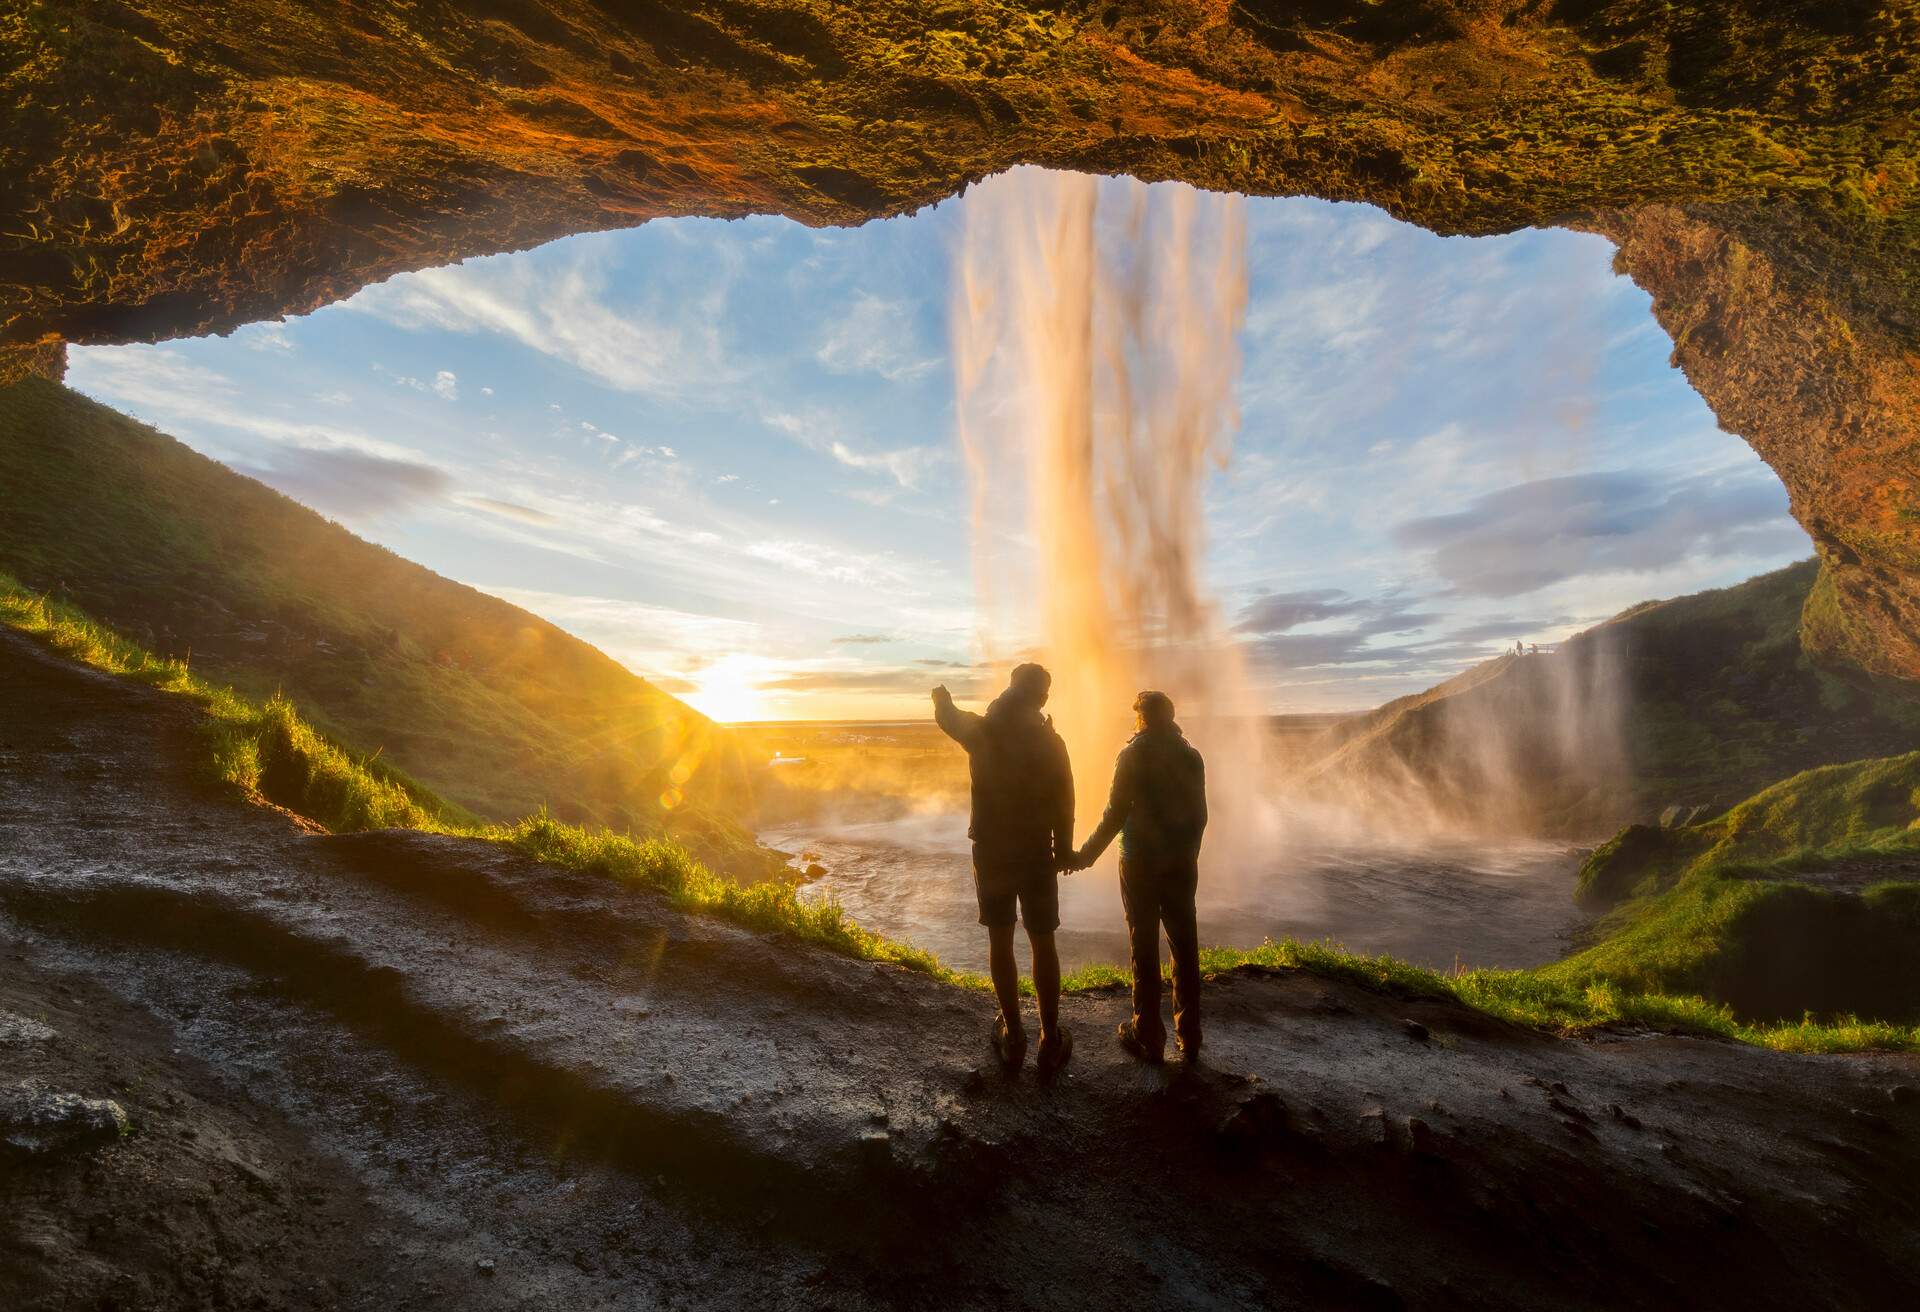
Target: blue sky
724 452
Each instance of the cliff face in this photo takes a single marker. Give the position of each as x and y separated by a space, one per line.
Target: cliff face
171 169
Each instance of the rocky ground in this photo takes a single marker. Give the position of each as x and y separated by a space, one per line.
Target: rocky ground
390 1070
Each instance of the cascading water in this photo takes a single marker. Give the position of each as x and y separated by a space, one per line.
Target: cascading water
1095 347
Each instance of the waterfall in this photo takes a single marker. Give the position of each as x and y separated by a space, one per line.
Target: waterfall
1095 338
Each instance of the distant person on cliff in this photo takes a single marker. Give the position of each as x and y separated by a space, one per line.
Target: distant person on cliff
1159 810
1022 832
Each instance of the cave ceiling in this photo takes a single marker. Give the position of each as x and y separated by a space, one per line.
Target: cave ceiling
172 169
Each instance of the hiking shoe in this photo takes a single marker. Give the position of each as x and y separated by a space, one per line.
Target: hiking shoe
1010 1047
1055 1053
1153 1054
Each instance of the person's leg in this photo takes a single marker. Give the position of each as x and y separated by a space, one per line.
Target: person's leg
996 896
1006 976
1040 913
1143 952
1183 942
1046 983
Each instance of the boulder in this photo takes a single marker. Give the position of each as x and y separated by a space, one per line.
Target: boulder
37 1121
23 1031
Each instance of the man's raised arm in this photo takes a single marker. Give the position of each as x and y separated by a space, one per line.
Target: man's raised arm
961 726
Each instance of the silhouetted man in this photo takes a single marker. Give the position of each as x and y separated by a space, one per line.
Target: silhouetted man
1022 832
1159 809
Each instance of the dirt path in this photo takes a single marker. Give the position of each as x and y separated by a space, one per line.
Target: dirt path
471 1080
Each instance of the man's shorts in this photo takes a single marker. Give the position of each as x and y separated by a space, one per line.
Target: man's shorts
1033 886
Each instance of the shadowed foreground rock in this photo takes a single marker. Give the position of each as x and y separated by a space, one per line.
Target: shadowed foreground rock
170 169
392 1070
35 1121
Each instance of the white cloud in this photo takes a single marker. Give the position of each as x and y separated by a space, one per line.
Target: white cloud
875 336
564 313
270 335
155 376
446 386
631 452
905 465
179 396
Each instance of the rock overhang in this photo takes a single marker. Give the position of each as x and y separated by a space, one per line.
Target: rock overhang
173 170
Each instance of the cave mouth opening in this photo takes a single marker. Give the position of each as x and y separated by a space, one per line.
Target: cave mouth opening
724 451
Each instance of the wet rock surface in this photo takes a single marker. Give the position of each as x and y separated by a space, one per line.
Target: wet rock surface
358 1070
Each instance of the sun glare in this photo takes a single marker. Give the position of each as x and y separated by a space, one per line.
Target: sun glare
729 689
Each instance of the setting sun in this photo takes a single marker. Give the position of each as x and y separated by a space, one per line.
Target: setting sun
729 689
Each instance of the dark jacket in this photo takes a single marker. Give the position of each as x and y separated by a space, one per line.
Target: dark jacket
1159 802
1022 782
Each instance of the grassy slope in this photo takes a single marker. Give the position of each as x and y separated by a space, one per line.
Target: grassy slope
1860 811
484 702
267 751
1745 907
1726 701
1721 699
